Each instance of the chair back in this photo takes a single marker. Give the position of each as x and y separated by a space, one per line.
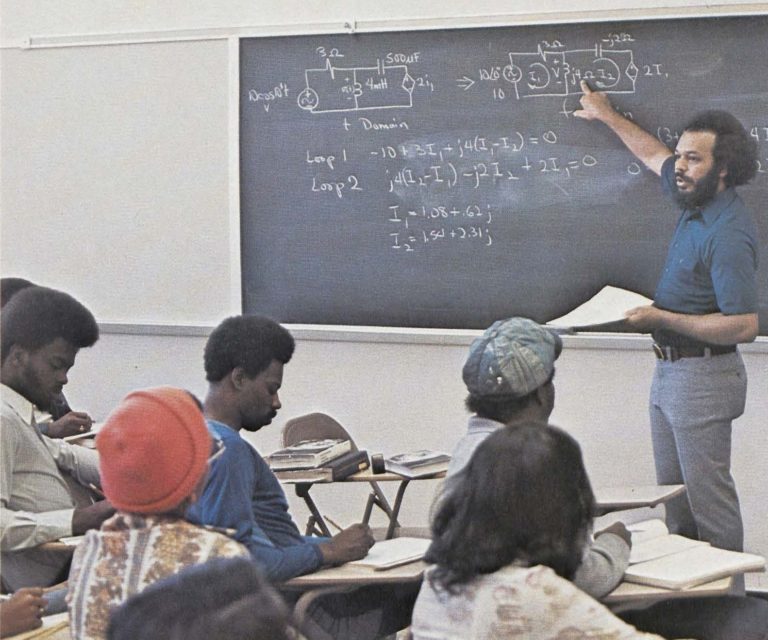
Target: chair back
313 426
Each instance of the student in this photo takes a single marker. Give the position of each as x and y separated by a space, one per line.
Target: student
244 360
507 539
42 331
509 374
223 599
63 421
510 377
155 449
9 287
705 305
22 611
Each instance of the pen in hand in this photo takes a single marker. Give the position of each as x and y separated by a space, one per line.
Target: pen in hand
332 523
96 490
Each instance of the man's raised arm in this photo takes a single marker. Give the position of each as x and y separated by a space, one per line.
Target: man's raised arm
649 150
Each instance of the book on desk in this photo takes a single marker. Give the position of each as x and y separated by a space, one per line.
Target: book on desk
308 454
418 464
661 559
333 471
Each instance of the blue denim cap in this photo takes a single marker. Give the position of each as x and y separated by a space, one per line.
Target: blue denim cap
513 357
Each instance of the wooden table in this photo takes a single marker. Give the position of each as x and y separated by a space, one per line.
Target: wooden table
303 491
346 578
356 575
607 498
628 593
55 627
633 497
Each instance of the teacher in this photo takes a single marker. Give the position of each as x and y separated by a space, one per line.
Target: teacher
705 304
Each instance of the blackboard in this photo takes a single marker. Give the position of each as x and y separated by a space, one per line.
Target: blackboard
440 179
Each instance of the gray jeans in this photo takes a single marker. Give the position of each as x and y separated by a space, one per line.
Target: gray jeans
693 402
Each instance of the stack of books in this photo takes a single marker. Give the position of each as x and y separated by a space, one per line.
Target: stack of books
326 460
308 454
418 464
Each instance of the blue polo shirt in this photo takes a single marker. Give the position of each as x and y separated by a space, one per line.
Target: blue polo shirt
712 261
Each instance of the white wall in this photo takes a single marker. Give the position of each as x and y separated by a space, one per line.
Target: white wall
117 185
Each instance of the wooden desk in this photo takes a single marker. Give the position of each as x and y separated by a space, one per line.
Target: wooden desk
628 593
356 575
303 491
616 498
346 578
55 627
607 498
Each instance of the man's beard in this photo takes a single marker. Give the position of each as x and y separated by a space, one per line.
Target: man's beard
33 390
703 192
256 424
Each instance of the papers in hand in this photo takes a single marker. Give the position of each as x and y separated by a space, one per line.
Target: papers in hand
661 559
606 307
393 553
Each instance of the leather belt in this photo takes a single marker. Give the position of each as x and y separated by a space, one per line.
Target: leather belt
670 353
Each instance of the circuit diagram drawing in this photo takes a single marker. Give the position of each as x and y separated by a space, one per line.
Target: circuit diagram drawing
335 89
558 72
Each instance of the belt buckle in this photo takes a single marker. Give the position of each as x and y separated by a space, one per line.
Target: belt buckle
659 351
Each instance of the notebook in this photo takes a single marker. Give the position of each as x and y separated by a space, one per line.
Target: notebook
692 567
651 539
393 553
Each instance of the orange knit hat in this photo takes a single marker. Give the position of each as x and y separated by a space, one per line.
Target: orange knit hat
153 450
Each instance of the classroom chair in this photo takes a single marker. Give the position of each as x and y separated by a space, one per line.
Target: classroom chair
314 426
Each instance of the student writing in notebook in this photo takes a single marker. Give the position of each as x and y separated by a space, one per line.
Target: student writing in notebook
507 539
245 358
63 420
42 332
509 374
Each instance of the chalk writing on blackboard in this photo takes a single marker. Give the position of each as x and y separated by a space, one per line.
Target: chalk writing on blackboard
435 156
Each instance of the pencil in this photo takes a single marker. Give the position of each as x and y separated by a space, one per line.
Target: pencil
96 490
332 523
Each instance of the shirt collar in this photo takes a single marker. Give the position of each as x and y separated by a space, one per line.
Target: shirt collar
482 425
716 206
23 407
211 423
